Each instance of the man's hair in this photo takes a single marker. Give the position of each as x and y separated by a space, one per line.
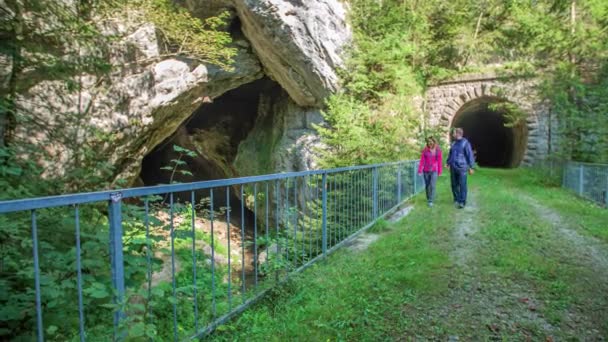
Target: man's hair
459 131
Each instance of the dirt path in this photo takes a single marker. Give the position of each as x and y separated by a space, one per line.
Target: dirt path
590 257
361 242
465 227
586 250
500 306
479 306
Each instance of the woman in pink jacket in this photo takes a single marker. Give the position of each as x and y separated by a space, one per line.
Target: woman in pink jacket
430 167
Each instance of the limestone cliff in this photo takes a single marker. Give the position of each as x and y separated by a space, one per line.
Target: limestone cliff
292 49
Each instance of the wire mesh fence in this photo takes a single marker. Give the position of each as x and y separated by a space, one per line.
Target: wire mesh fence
550 169
587 180
173 262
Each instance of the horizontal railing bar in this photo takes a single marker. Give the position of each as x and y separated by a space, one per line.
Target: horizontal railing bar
100 196
586 163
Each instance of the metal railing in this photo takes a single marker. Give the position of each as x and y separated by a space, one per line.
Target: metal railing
183 258
587 180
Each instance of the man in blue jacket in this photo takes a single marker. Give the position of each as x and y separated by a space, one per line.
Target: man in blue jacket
460 162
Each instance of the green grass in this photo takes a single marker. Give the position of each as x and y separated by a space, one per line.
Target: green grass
579 213
404 284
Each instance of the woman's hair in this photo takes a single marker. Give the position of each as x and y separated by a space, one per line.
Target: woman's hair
431 139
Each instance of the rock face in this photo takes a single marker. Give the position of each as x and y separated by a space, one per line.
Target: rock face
149 97
298 42
283 138
139 105
299 45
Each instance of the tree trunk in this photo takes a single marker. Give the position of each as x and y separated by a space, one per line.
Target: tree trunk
7 113
466 59
572 29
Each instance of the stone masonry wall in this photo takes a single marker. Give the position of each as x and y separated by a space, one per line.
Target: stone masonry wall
445 100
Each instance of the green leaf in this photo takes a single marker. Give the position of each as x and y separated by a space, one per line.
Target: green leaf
98 291
12 170
151 331
158 292
180 149
138 329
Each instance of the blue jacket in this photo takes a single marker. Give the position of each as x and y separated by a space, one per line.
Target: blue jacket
461 155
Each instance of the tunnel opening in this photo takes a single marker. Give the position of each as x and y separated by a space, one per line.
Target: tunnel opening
212 135
494 142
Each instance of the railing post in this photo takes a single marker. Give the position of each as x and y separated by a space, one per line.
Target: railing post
116 259
415 180
606 192
324 218
399 183
565 171
375 193
581 178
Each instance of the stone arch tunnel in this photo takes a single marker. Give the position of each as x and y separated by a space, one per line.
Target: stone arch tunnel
467 102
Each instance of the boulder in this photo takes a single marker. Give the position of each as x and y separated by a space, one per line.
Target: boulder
300 43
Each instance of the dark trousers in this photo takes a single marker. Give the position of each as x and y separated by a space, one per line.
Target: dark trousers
459 185
430 181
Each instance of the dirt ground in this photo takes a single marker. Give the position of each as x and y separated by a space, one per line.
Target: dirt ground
481 305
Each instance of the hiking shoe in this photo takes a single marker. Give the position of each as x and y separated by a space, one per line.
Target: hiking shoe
457 205
460 205
430 204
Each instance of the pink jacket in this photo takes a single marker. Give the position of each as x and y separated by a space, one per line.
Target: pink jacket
430 162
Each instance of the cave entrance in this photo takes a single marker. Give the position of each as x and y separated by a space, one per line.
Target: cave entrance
213 132
494 144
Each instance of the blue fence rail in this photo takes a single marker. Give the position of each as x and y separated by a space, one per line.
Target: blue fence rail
183 258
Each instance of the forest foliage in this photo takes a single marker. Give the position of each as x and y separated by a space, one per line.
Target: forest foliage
402 46
75 43
69 42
